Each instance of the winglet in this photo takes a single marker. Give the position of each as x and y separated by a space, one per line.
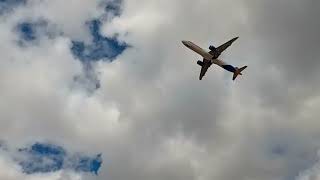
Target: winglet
238 72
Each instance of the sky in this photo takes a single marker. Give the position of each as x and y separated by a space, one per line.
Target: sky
104 89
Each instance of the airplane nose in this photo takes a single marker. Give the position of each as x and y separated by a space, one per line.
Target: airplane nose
184 42
235 38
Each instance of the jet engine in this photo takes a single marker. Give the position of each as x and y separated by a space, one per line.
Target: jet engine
200 63
212 48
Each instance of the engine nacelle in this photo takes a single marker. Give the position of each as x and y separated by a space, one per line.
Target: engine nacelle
200 63
212 48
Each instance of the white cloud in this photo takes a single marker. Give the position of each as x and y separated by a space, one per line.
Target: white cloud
69 17
312 173
152 118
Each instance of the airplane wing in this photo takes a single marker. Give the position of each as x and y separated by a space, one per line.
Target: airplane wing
203 71
204 68
217 51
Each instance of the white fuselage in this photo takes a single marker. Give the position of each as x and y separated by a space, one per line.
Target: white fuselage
206 55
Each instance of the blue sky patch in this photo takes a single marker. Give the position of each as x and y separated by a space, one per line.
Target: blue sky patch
27 31
100 48
8 5
87 164
44 158
30 31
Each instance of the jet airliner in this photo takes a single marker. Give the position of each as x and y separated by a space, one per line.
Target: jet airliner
211 57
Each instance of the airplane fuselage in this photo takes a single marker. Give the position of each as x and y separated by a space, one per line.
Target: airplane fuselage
208 58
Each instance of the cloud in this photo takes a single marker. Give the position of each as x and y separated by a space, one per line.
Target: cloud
151 118
310 173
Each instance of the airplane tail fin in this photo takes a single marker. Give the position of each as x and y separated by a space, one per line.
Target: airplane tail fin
238 72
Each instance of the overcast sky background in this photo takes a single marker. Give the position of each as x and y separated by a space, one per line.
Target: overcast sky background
113 78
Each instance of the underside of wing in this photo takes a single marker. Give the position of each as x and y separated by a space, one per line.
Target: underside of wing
224 46
217 51
205 66
203 71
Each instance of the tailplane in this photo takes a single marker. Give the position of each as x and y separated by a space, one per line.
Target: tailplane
238 72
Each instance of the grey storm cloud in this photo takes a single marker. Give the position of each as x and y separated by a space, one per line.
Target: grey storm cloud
152 118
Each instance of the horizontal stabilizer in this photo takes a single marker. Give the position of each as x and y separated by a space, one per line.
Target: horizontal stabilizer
238 72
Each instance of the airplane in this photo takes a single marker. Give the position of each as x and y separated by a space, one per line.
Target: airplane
211 57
